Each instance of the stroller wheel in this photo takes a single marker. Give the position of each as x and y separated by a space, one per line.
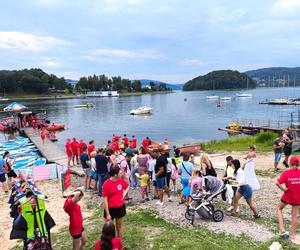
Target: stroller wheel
193 219
189 214
218 215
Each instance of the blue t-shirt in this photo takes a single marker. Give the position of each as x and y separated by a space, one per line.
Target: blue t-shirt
187 170
2 162
83 159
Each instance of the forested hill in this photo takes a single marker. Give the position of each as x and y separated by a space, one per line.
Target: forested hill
220 79
30 81
275 72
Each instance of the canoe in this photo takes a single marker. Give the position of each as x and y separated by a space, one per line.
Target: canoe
87 105
56 127
190 149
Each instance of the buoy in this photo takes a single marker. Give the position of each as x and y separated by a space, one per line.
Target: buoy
185 99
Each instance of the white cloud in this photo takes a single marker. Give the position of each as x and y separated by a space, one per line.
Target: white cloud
191 61
117 55
286 7
49 3
74 75
224 14
28 42
163 9
51 64
116 6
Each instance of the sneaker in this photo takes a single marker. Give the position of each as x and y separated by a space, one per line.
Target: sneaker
159 203
89 189
285 235
170 199
147 199
155 198
229 209
276 170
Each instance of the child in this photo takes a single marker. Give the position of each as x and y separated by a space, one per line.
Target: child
174 174
195 183
76 223
291 188
251 153
144 184
108 238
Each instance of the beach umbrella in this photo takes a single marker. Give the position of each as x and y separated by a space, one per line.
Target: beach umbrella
15 107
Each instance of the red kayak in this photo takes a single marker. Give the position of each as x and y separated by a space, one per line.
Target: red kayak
192 149
56 127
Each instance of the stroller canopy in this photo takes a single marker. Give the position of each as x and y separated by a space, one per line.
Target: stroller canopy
15 107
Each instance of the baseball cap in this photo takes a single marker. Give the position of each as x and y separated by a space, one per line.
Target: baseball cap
294 160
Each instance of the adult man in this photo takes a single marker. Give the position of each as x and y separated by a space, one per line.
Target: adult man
91 148
125 140
161 176
69 152
81 145
133 143
101 169
277 146
84 159
289 183
75 151
288 140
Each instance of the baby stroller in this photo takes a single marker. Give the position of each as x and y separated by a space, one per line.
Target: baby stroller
202 200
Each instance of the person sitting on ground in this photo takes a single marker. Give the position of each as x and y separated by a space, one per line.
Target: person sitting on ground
289 183
207 166
108 240
243 190
76 228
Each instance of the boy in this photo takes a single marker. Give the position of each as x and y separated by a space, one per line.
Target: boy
76 223
291 188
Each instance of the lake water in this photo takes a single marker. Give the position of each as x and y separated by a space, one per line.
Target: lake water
194 120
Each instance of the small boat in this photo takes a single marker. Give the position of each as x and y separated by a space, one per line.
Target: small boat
87 105
189 149
225 98
141 111
56 127
212 97
52 137
244 95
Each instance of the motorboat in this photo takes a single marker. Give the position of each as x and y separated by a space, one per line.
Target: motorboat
244 95
225 98
141 111
86 105
212 97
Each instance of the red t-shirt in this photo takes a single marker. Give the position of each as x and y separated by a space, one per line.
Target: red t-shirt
74 211
74 147
68 148
91 148
125 140
115 138
291 179
116 244
81 145
145 143
115 146
114 190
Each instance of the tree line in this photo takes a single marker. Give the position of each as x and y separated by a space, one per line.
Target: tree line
220 79
115 83
30 81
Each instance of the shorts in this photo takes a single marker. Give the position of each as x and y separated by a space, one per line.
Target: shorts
87 171
2 178
116 212
184 181
154 183
277 157
143 190
287 151
150 175
161 182
11 173
246 191
78 235
93 175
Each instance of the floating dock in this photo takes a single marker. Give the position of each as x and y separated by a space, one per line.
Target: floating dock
51 152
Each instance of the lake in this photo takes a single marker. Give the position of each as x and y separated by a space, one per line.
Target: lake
194 120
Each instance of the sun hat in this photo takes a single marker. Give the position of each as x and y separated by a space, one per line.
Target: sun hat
294 160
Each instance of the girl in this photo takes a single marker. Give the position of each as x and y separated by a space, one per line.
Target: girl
174 174
108 239
206 166
144 184
93 170
244 190
195 183
9 168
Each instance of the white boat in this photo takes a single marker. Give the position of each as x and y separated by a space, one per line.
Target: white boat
212 97
244 95
86 105
225 98
102 94
141 111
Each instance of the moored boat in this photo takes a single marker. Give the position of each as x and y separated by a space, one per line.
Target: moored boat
141 111
56 127
86 105
225 98
190 149
212 97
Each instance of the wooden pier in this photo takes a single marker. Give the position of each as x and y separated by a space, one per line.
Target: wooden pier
51 152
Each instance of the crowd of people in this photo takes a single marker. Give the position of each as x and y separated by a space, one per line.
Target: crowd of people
120 166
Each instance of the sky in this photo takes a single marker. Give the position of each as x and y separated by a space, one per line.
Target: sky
167 40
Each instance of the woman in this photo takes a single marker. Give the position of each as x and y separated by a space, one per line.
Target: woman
108 239
251 153
206 166
114 191
142 160
244 190
9 168
43 134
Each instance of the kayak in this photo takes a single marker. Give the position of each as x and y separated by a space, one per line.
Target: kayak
55 127
191 149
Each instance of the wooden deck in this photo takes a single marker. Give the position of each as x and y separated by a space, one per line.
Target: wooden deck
49 150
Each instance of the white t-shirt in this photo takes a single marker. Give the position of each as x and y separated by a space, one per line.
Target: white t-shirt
240 177
93 164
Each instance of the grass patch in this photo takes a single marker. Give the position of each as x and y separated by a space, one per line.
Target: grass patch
144 230
262 141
